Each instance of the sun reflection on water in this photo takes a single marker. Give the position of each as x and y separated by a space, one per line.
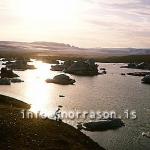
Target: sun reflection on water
40 93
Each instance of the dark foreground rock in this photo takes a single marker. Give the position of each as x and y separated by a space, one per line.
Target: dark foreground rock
17 133
102 125
12 102
146 79
61 79
33 134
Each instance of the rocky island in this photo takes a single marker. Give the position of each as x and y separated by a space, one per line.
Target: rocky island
8 77
83 68
140 74
5 81
102 125
7 73
61 67
61 79
20 65
142 65
146 79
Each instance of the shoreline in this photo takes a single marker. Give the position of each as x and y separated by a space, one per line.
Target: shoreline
19 133
8 101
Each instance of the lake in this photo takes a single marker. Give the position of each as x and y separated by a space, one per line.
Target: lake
99 93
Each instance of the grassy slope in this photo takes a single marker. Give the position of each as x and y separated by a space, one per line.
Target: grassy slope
32 134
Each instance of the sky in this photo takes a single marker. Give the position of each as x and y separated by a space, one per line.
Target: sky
83 23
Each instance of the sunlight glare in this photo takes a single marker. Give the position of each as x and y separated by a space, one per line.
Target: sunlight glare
49 9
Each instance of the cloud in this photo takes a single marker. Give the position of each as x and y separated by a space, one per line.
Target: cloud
125 20
108 21
123 13
145 2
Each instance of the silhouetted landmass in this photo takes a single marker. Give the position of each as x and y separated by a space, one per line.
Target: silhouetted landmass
139 74
24 133
12 102
114 59
62 48
7 73
61 79
126 59
82 68
60 51
102 125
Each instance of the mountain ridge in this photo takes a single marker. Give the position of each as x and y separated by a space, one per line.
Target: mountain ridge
42 46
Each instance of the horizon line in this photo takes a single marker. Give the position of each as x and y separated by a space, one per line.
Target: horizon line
148 48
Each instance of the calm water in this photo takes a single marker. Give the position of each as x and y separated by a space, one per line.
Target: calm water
104 93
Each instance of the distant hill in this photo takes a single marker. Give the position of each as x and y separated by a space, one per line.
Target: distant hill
52 47
125 59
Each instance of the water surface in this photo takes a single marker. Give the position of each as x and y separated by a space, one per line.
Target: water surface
103 92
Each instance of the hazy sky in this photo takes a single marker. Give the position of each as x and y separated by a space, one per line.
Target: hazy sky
84 23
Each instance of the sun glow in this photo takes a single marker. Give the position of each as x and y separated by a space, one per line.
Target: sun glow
47 20
50 10
39 93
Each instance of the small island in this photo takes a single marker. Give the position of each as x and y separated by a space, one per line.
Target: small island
7 73
82 68
102 125
61 79
146 79
19 65
142 65
8 76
